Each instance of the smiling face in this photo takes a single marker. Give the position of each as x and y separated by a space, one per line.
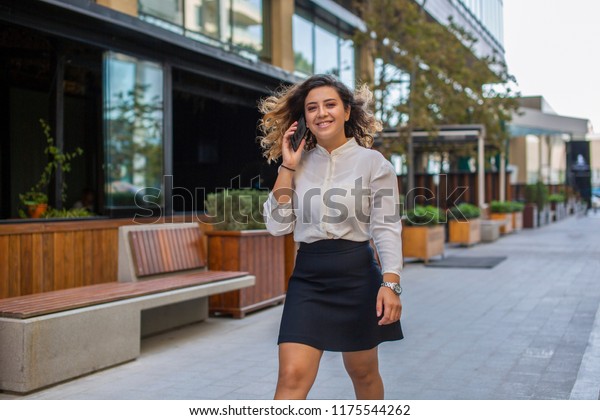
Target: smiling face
325 116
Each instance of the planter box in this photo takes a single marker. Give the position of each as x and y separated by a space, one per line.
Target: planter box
559 211
517 221
506 219
544 216
465 232
254 251
530 216
422 242
490 230
571 206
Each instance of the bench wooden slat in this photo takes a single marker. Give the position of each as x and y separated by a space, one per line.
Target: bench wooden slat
138 256
152 256
167 259
166 250
192 241
60 300
185 252
175 242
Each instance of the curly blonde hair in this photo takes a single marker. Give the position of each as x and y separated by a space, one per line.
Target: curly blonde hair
286 105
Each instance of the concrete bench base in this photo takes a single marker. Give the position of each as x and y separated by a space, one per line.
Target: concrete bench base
44 350
490 230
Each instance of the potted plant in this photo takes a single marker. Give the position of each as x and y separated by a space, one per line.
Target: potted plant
238 241
36 203
502 212
557 206
36 199
464 225
423 233
517 215
535 212
541 201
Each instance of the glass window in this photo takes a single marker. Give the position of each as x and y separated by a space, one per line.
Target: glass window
247 24
204 16
347 74
133 116
321 50
303 45
326 52
168 10
217 22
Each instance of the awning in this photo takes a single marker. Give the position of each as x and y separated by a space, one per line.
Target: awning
533 121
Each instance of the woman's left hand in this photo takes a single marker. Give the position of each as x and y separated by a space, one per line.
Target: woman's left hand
389 305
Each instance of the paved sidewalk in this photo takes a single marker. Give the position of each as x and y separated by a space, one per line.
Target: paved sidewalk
527 329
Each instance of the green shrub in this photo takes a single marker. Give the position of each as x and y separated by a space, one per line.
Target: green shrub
516 206
425 216
67 214
236 209
556 198
500 207
537 193
465 211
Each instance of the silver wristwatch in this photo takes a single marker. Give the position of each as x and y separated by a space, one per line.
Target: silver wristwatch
394 286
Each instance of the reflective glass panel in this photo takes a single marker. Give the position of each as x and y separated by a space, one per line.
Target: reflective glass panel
326 52
168 10
133 117
303 45
247 24
204 16
347 74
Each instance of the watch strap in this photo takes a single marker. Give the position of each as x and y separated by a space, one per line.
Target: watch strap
396 288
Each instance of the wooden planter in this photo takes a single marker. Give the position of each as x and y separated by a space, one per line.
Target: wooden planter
517 221
422 242
257 252
46 255
530 216
465 232
559 211
506 218
544 216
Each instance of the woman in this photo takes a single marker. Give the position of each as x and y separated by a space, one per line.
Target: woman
335 194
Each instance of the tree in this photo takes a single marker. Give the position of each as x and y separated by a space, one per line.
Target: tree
447 82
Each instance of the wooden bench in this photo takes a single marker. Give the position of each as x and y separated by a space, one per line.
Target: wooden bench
49 337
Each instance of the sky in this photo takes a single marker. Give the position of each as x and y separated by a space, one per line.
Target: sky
553 49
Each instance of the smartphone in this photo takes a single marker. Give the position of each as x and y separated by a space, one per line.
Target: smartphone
300 133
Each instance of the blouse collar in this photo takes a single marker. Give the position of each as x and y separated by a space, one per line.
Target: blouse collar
350 144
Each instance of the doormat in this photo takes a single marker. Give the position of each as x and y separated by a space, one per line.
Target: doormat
466 262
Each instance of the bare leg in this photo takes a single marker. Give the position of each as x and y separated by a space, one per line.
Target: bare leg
298 367
363 368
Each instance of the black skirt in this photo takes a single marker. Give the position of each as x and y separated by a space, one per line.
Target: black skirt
332 296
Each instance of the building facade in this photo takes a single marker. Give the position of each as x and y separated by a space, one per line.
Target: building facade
482 18
543 147
161 95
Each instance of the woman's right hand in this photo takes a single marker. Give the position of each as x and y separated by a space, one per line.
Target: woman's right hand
290 157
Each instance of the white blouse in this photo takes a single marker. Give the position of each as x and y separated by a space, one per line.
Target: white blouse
350 193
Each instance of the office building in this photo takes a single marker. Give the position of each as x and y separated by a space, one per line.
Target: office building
162 94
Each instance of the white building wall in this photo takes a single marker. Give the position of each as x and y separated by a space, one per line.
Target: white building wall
482 18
